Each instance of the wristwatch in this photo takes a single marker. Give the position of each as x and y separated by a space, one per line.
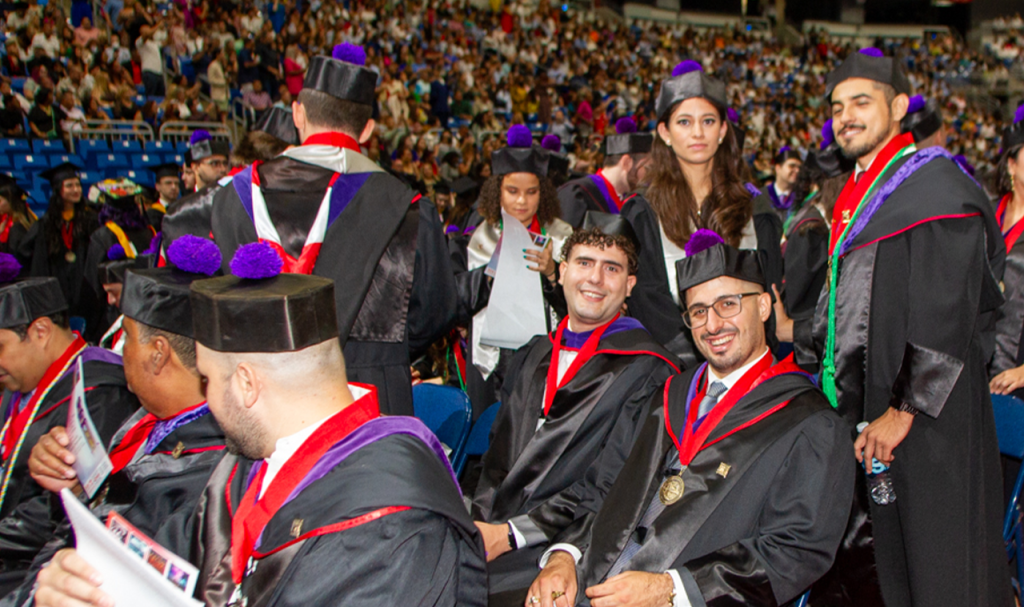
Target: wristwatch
905 408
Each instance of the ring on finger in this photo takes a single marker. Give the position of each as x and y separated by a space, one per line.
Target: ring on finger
556 594
534 600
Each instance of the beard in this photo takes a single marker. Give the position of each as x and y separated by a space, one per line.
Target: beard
856 151
242 433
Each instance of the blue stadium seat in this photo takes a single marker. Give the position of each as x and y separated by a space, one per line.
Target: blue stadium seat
177 159
141 161
18 84
141 177
89 177
126 146
31 162
158 147
48 146
1009 414
447 412
87 148
5 162
479 437
58 159
14 145
107 162
38 200
181 147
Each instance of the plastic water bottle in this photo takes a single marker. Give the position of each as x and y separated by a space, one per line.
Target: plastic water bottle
879 482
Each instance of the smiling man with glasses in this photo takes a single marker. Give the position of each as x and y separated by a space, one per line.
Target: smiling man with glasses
737 484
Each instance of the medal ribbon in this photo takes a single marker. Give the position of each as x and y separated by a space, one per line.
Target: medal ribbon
254 514
693 442
15 429
896 149
586 352
267 232
1009 236
67 234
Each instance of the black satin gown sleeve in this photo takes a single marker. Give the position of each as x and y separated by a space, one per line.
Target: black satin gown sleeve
434 301
573 203
768 228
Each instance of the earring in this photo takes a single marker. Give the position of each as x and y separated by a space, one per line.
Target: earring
667 142
720 140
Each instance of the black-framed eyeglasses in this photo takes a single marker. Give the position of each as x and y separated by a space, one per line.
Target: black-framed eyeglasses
726 306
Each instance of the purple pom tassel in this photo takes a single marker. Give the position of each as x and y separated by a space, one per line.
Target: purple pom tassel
519 137
9 267
625 126
154 244
917 104
349 53
827 136
1019 116
701 240
116 252
256 261
552 143
685 67
195 255
872 52
199 135
783 150
733 116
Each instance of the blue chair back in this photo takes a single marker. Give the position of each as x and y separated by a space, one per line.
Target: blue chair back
1009 415
479 437
447 412
803 600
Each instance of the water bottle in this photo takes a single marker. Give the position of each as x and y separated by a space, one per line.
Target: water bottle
879 482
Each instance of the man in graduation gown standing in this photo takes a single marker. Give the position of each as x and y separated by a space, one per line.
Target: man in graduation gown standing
330 211
164 454
905 327
737 489
167 183
567 397
190 214
627 154
37 355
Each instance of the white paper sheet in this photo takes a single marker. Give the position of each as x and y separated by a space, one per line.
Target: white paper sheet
92 464
515 310
126 578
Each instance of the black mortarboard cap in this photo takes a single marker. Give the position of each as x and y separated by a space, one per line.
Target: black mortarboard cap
464 185
627 140
443 186
612 225
160 298
1013 136
290 311
689 80
59 173
708 257
277 121
342 75
10 184
872 64
202 145
23 301
520 155
923 118
167 169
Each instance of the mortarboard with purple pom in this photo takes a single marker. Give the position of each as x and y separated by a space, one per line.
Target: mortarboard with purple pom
869 63
22 301
688 81
627 140
520 155
709 257
343 75
551 143
202 145
923 119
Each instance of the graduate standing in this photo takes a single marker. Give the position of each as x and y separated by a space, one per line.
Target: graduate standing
328 210
167 183
915 257
779 196
207 163
738 487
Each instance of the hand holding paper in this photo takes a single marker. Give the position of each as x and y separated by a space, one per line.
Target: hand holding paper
91 462
68 578
50 463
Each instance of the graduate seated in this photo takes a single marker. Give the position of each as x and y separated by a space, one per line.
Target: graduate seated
567 397
737 488
321 497
38 352
111 280
164 454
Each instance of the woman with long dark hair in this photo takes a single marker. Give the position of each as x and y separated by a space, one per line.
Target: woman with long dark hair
695 180
15 221
61 241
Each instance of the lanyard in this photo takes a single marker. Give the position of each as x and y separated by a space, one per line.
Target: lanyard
254 513
693 441
1009 236
267 232
589 347
828 375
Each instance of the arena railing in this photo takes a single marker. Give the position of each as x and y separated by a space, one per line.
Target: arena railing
181 130
112 130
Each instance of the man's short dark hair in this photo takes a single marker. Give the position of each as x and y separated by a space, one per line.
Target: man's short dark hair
887 90
184 347
326 111
60 319
610 161
594 237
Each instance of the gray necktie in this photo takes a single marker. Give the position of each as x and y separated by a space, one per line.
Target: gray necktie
655 508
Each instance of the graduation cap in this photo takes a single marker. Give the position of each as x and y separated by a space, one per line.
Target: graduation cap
520 156
689 80
166 169
872 64
9 187
923 118
343 75
787 153
161 297
626 140
708 258
611 225
202 145
60 173
112 270
292 311
277 121
23 301
443 186
1014 135
119 193
464 185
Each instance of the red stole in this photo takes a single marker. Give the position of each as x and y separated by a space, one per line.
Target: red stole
586 352
135 438
1010 235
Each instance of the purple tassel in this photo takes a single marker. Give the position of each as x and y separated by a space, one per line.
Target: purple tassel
116 252
551 143
685 67
827 136
783 150
701 240
733 116
625 126
349 53
872 52
256 261
1019 116
198 136
154 244
195 255
9 267
917 104
519 136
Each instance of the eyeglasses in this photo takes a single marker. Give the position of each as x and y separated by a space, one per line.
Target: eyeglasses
727 306
216 163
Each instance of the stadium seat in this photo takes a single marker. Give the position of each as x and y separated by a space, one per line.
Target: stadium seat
48 146
18 85
181 147
31 162
447 412
141 177
87 148
107 162
58 159
140 162
14 145
37 201
126 146
479 437
177 159
158 147
1009 414
5 162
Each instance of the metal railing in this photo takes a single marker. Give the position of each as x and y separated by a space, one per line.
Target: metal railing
112 130
181 130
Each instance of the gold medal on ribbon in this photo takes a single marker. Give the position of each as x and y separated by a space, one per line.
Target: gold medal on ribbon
70 257
672 489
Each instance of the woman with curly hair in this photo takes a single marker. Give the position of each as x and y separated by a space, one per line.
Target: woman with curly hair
16 218
695 180
519 186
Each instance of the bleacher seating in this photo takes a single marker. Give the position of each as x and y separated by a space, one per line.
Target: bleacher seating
31 162
48 146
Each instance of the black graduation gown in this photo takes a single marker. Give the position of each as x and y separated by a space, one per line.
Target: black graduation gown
579 196
189 215
395 290
155 492
430 554
25 521
806 261
17 239
765 202
155 217
1010 317
71 275
916 299
651 301
527 470
99 243
757 534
